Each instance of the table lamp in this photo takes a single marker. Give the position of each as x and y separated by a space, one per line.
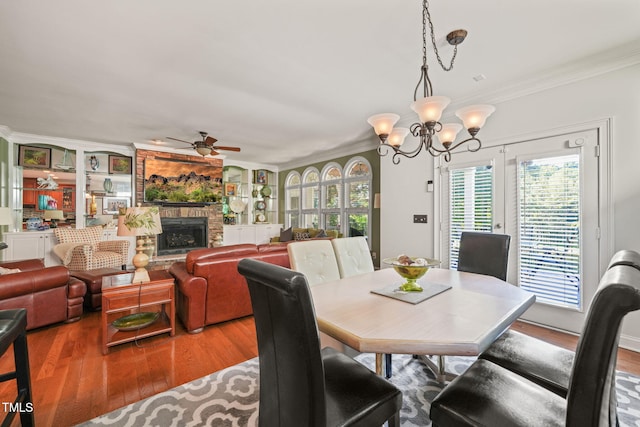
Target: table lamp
140 222
54 216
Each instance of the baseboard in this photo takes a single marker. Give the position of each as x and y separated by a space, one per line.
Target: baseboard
627 342
630 343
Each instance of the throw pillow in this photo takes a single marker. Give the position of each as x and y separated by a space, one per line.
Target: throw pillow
286 235
301 236
4 271
321 234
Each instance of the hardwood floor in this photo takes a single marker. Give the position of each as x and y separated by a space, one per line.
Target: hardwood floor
73 382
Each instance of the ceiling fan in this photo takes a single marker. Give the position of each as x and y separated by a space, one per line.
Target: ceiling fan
206 147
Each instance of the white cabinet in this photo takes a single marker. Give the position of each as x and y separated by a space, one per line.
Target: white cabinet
31 244
264 232
256 233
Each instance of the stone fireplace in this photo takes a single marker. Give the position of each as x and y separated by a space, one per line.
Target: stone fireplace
209 214
181 235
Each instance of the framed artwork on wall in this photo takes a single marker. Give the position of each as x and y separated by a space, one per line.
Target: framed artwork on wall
230 189
120 165
260 176
34 157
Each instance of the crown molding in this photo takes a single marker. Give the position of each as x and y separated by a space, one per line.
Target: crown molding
589 67
345 149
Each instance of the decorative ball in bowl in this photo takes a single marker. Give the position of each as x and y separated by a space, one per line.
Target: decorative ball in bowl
411 269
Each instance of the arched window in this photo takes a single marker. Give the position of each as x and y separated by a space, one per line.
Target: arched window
292 199
310 198
332 196
357 182
335 199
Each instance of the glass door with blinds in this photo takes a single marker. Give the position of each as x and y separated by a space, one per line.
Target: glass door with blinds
544 194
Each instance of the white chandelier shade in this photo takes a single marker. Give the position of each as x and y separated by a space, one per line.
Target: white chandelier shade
430 109
475 116
383 123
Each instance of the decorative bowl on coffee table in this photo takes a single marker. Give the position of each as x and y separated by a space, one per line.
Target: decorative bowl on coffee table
411 272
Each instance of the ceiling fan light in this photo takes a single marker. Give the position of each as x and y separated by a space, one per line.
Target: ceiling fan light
203 150
397 136
448 132
383 123
475 116
430 109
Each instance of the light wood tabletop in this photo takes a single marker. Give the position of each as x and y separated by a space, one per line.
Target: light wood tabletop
463 320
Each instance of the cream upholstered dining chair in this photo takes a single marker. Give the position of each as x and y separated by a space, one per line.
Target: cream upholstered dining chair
83 249
353 256
315 259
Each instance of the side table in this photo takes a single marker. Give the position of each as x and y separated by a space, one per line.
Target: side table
120 298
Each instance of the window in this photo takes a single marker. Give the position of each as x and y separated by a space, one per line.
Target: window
334 199
310 198
549 214
358 195
292 199
470 204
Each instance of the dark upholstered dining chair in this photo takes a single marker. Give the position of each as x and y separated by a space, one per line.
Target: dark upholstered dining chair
488 394
484 253
545 364
300 384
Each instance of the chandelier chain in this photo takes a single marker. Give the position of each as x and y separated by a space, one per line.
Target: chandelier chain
426 16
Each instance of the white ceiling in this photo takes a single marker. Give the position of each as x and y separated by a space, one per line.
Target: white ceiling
281 79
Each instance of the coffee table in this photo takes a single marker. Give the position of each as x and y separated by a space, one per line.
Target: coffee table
462 321
120 298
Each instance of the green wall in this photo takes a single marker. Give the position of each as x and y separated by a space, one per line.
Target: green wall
374 159
4 172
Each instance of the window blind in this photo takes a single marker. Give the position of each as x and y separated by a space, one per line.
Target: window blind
549 229
470 204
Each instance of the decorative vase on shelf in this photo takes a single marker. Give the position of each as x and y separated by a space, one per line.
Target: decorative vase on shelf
255 192
93 207
108 185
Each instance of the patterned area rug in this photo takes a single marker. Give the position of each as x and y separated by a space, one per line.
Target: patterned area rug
229 398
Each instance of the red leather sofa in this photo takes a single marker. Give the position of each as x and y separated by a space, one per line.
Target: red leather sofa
209 288
49 294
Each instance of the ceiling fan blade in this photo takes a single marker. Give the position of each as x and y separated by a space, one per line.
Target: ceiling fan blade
210 140
219 147
181 140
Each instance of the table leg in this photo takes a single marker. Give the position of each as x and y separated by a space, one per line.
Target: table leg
442 376
379 363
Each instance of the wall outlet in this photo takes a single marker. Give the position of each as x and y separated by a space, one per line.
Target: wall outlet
419 219
373 255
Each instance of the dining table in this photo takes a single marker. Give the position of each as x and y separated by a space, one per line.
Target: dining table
462 320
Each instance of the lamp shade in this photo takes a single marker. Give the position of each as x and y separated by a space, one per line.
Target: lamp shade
140 221
474 116
397 136
448 132
430 109
6 216
203 150
383 123
53 214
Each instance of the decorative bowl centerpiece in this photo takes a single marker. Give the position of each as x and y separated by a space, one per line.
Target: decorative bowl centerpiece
411 269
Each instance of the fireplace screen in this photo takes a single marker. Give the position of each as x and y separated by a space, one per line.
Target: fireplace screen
181 235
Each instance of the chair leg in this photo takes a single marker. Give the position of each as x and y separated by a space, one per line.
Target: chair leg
23 378
395 420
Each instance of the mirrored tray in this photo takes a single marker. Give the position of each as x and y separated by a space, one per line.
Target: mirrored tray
135 321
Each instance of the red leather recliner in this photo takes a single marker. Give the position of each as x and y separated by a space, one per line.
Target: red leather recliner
49 294
209 288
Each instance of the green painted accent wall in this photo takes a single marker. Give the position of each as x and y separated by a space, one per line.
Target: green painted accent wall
374 159
4 172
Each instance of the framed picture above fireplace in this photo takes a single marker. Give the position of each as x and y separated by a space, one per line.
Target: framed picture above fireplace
171 181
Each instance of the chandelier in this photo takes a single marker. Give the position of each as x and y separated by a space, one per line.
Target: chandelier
429 109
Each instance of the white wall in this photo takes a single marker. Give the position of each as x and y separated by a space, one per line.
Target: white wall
613 95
